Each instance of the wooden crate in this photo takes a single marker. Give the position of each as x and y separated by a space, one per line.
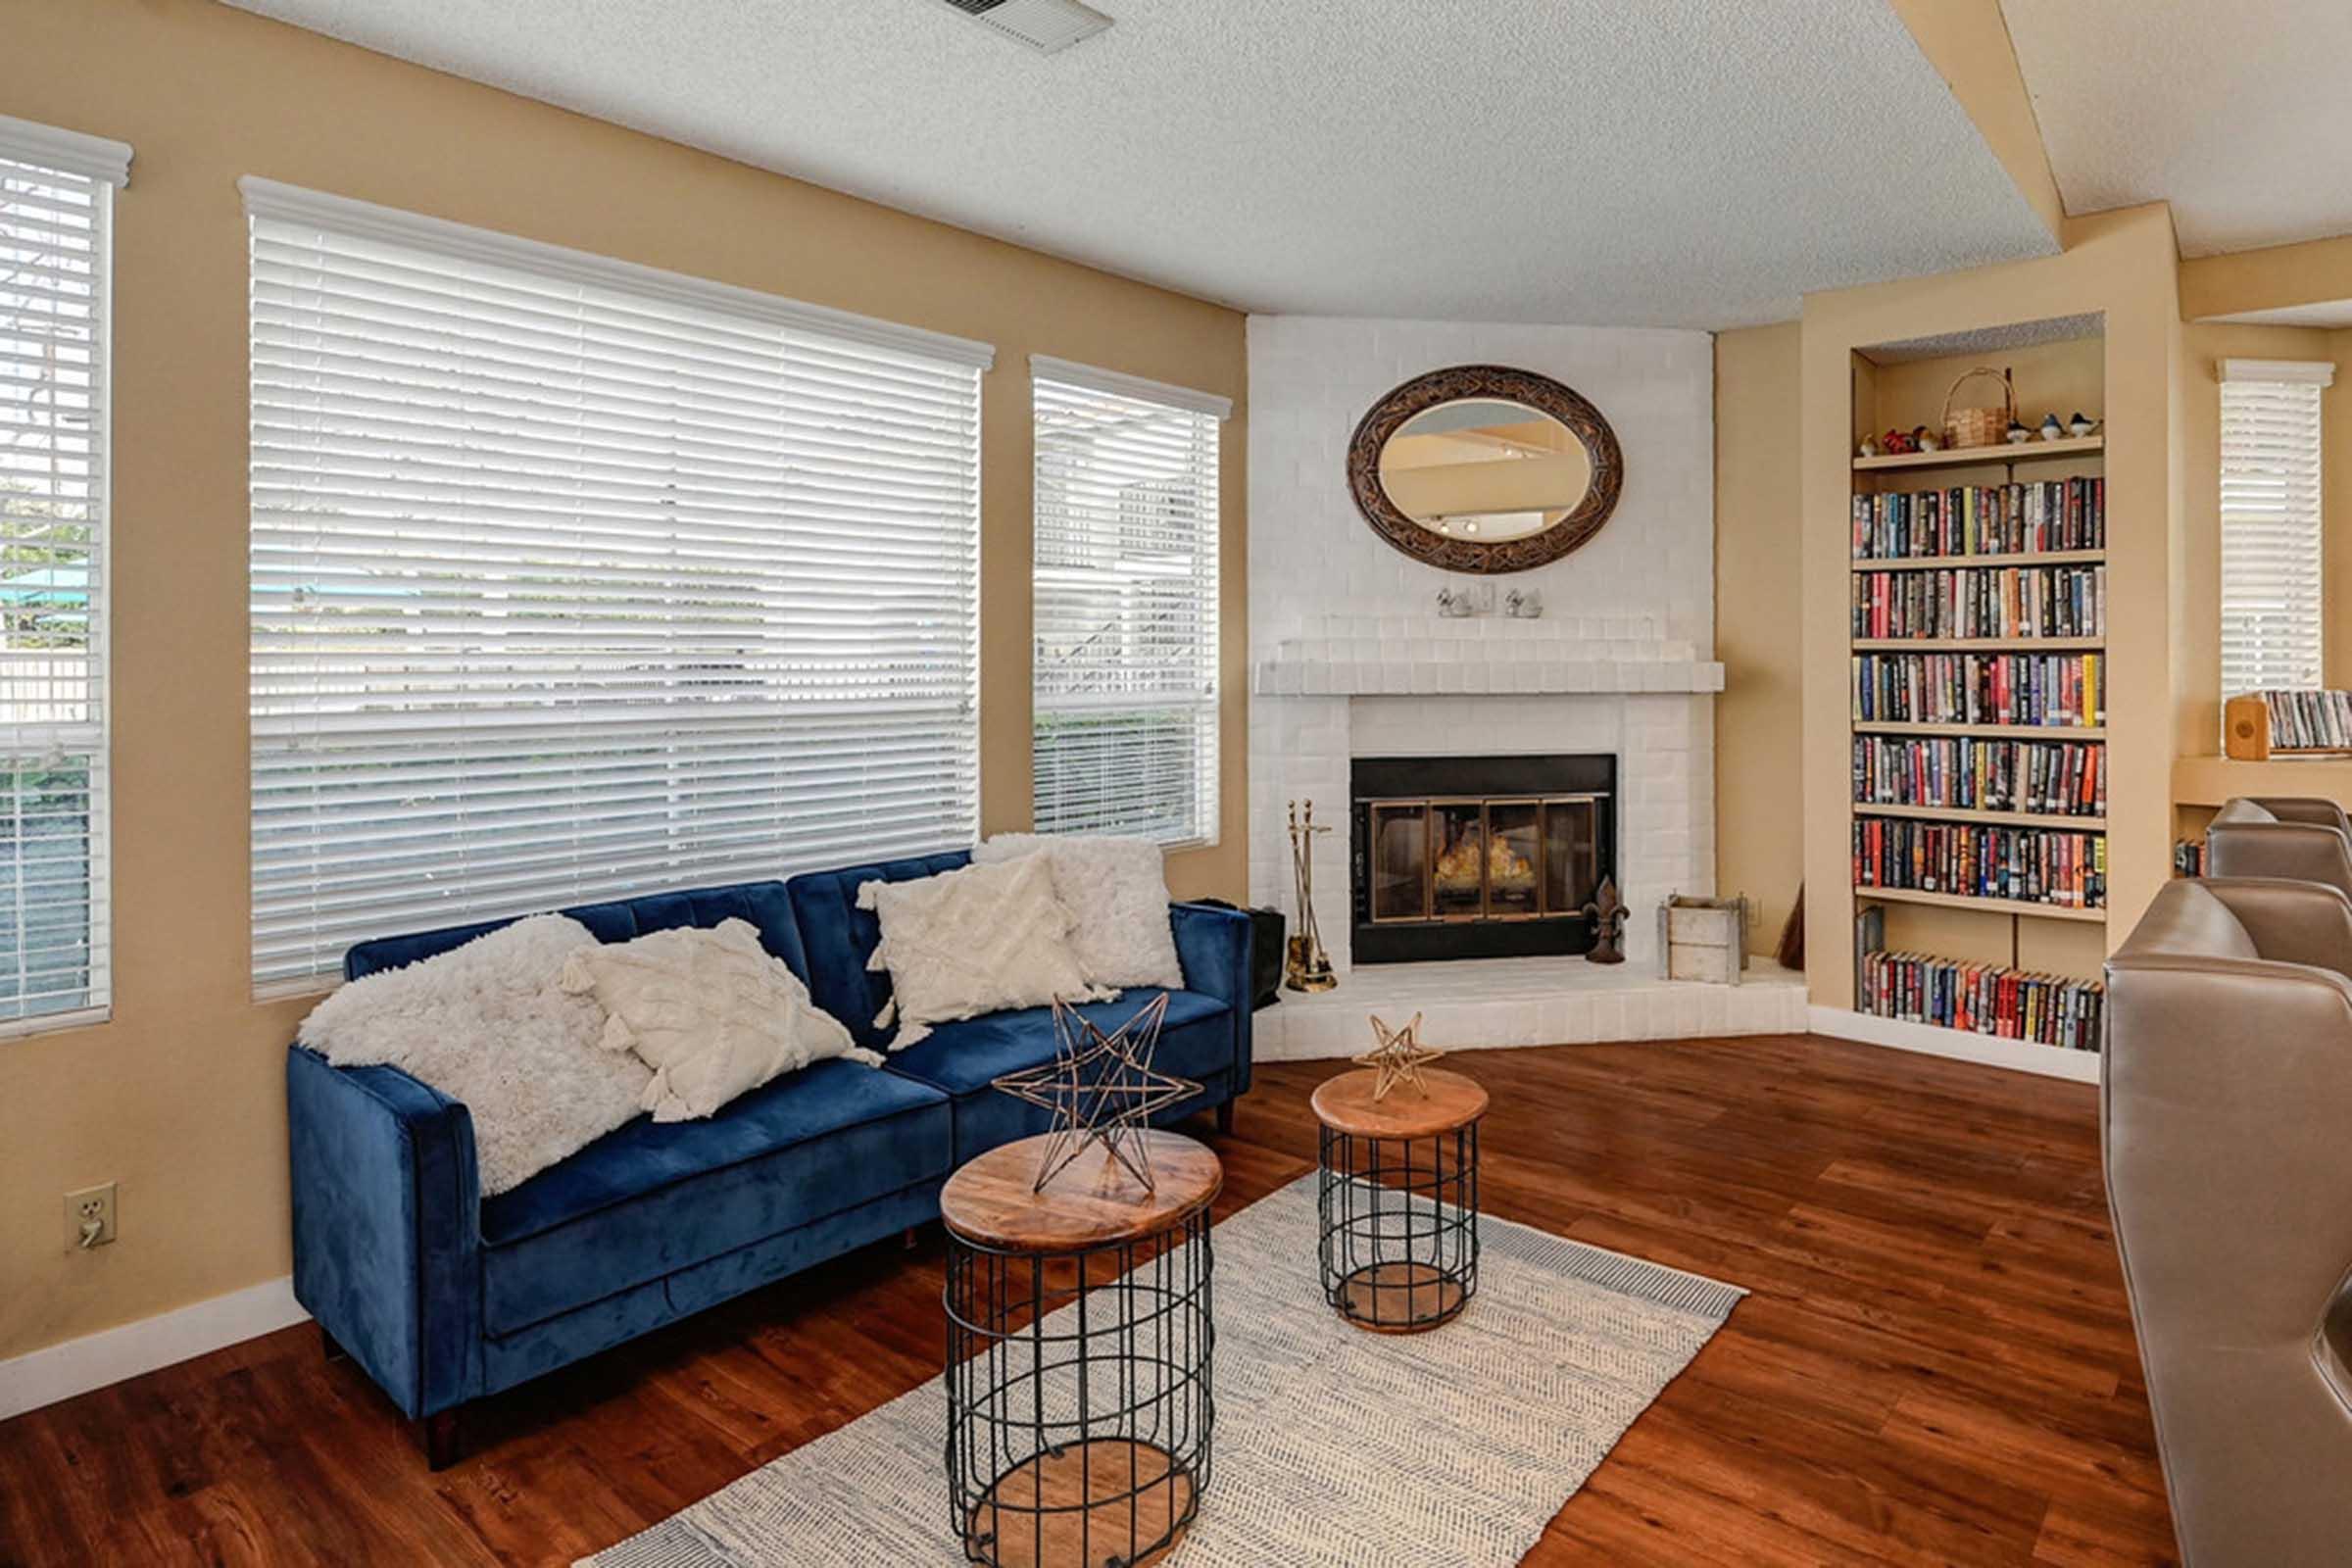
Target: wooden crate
1704 939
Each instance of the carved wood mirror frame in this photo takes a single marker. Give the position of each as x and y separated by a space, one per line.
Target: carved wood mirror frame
1500 383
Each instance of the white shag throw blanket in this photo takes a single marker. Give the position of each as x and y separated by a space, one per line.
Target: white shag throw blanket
490 1025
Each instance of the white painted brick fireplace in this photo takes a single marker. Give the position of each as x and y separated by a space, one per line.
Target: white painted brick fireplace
1349 658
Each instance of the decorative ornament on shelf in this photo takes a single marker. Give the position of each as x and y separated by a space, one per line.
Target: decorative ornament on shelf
1867 448
1309 966
2019 435
1894 443
1101 1089
1924 439
2051 429
2081 424
1606 916
1398 1057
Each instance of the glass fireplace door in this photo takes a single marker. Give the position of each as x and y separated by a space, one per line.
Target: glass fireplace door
1399 862
1571 854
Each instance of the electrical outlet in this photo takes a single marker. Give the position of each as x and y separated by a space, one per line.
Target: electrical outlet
90 1205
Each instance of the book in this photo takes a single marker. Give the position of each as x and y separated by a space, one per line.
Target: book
1983 998
1981 520
1980 602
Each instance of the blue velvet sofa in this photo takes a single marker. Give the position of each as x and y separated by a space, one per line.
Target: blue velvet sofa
444 1296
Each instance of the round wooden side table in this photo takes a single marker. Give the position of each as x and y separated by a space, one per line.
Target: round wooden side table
1080 1342
1398 1199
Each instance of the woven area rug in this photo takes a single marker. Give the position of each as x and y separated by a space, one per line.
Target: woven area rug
1335 1448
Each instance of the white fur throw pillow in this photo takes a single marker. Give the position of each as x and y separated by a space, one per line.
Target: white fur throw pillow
1117 890
980 939
490 1025
711 1011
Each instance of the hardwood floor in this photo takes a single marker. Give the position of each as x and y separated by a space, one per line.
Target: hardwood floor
1935 1366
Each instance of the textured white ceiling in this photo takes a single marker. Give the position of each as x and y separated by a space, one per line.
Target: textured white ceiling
1673 163
2234 111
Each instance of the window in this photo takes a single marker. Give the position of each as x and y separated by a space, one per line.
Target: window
57 193
1125 604
572 579
2271 585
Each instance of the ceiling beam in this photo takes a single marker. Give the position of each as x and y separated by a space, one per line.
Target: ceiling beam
2312 271
1966 41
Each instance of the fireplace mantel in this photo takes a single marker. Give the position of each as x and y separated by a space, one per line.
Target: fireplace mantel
1429 657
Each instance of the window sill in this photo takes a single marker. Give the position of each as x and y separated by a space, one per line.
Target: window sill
2214 780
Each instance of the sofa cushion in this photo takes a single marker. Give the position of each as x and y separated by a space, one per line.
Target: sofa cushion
961 1058
658 1197
838 938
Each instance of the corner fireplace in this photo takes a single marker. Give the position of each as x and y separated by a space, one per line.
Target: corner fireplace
1478 857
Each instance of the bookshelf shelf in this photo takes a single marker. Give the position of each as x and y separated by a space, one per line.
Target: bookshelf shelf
1964 1045
1963 901
1963 813
2001 732
2023 558
1980 645
2021 452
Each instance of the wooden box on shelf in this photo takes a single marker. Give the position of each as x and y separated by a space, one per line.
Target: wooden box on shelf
2248 727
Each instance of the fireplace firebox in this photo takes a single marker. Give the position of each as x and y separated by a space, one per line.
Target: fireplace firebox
1478 857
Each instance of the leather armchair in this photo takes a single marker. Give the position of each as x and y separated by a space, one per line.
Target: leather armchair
2226 1117
2293 835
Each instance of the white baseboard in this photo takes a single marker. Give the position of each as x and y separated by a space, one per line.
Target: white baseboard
1933 1040
76 1366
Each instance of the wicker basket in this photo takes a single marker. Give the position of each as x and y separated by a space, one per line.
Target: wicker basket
1979 427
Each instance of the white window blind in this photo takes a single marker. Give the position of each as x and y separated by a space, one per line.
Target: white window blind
572 579
56 210
1125 605
2271 615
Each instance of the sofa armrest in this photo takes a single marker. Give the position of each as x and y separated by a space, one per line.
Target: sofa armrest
2290 921
387 1226
1213 946
2312 809
2308 851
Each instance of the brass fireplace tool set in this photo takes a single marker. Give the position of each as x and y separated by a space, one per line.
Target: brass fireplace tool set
1308 967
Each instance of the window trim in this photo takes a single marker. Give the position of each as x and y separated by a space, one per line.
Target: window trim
291 207
105 162
69 152
2319 375
1118 383
267 198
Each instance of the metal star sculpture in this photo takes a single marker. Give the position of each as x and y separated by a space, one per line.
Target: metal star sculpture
1398 1057
1100 1088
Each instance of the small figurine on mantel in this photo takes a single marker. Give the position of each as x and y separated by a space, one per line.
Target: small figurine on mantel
1606 916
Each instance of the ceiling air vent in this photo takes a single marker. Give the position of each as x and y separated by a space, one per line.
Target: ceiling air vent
1046 25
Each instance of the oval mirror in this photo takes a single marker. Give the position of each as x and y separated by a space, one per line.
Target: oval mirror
1483 468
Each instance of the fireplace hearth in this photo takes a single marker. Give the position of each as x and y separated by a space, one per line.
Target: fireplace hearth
1478 857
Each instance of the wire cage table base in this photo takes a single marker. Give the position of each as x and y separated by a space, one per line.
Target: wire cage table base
1398 1199
1081 1342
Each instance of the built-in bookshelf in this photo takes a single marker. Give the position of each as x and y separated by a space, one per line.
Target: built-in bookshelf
1976 651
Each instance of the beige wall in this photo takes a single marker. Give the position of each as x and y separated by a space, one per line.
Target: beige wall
180 1097
1759 828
